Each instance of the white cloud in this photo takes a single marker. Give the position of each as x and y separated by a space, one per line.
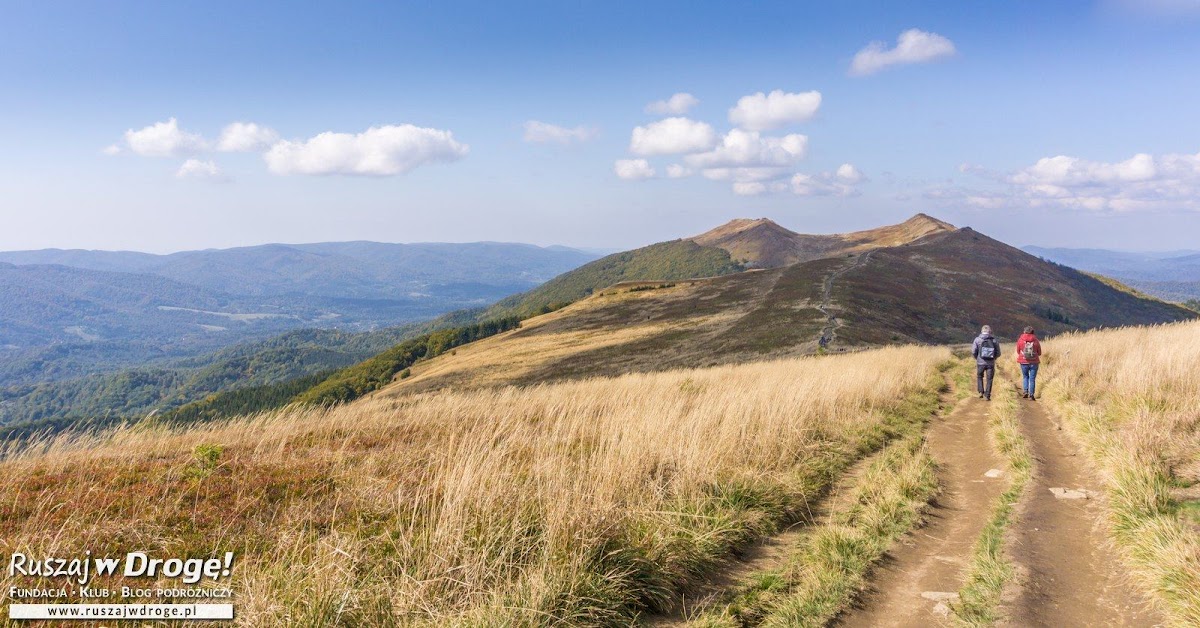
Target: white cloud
759 112
1143 182
164 139
746 157
749 188
677 104
633 169
672 136
1072 171
111 149
751 180
378 151
203 170
847 173
246 137
745 175
912 46
678 171
537 132
839 183
748 148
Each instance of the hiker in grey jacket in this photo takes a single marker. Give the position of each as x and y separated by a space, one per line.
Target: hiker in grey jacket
986 349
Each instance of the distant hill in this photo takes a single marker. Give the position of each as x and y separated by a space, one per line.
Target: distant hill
364 270
937 288
58 322
1172 275
1178 291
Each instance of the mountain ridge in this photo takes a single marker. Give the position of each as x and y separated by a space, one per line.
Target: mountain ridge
938 284
763 243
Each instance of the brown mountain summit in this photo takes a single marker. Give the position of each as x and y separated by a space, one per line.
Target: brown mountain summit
762 243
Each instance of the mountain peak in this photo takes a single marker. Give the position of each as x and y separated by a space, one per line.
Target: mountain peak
738 226
758 242
923 220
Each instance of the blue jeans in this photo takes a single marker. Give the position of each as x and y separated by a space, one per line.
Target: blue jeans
1029 378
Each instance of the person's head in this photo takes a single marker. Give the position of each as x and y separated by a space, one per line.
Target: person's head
987 330
1029 329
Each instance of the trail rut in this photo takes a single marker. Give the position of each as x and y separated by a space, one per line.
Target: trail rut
911 585
766 555
1070 576
772 553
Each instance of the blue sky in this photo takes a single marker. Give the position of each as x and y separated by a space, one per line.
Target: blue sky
1062 124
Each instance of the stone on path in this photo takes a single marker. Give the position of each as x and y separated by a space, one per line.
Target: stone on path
993 473
1071 493
941 597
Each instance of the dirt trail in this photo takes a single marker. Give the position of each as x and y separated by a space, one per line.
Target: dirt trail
768 554
910 586
1069 574
833 323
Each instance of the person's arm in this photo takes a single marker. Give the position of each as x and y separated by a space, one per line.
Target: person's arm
975 348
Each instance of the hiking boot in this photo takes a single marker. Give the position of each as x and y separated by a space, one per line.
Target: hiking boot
1025 396
989 397
1032 399
981 395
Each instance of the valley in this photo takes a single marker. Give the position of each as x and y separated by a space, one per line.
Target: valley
70 314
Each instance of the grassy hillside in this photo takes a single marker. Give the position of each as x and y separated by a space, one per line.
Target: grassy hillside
583 503
1132 397
678 259
943 288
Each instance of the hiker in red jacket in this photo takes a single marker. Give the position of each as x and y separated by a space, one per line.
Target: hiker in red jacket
1029 354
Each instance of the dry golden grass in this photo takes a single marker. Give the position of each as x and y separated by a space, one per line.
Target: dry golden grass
569 333
578 503
500 359
1132 396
